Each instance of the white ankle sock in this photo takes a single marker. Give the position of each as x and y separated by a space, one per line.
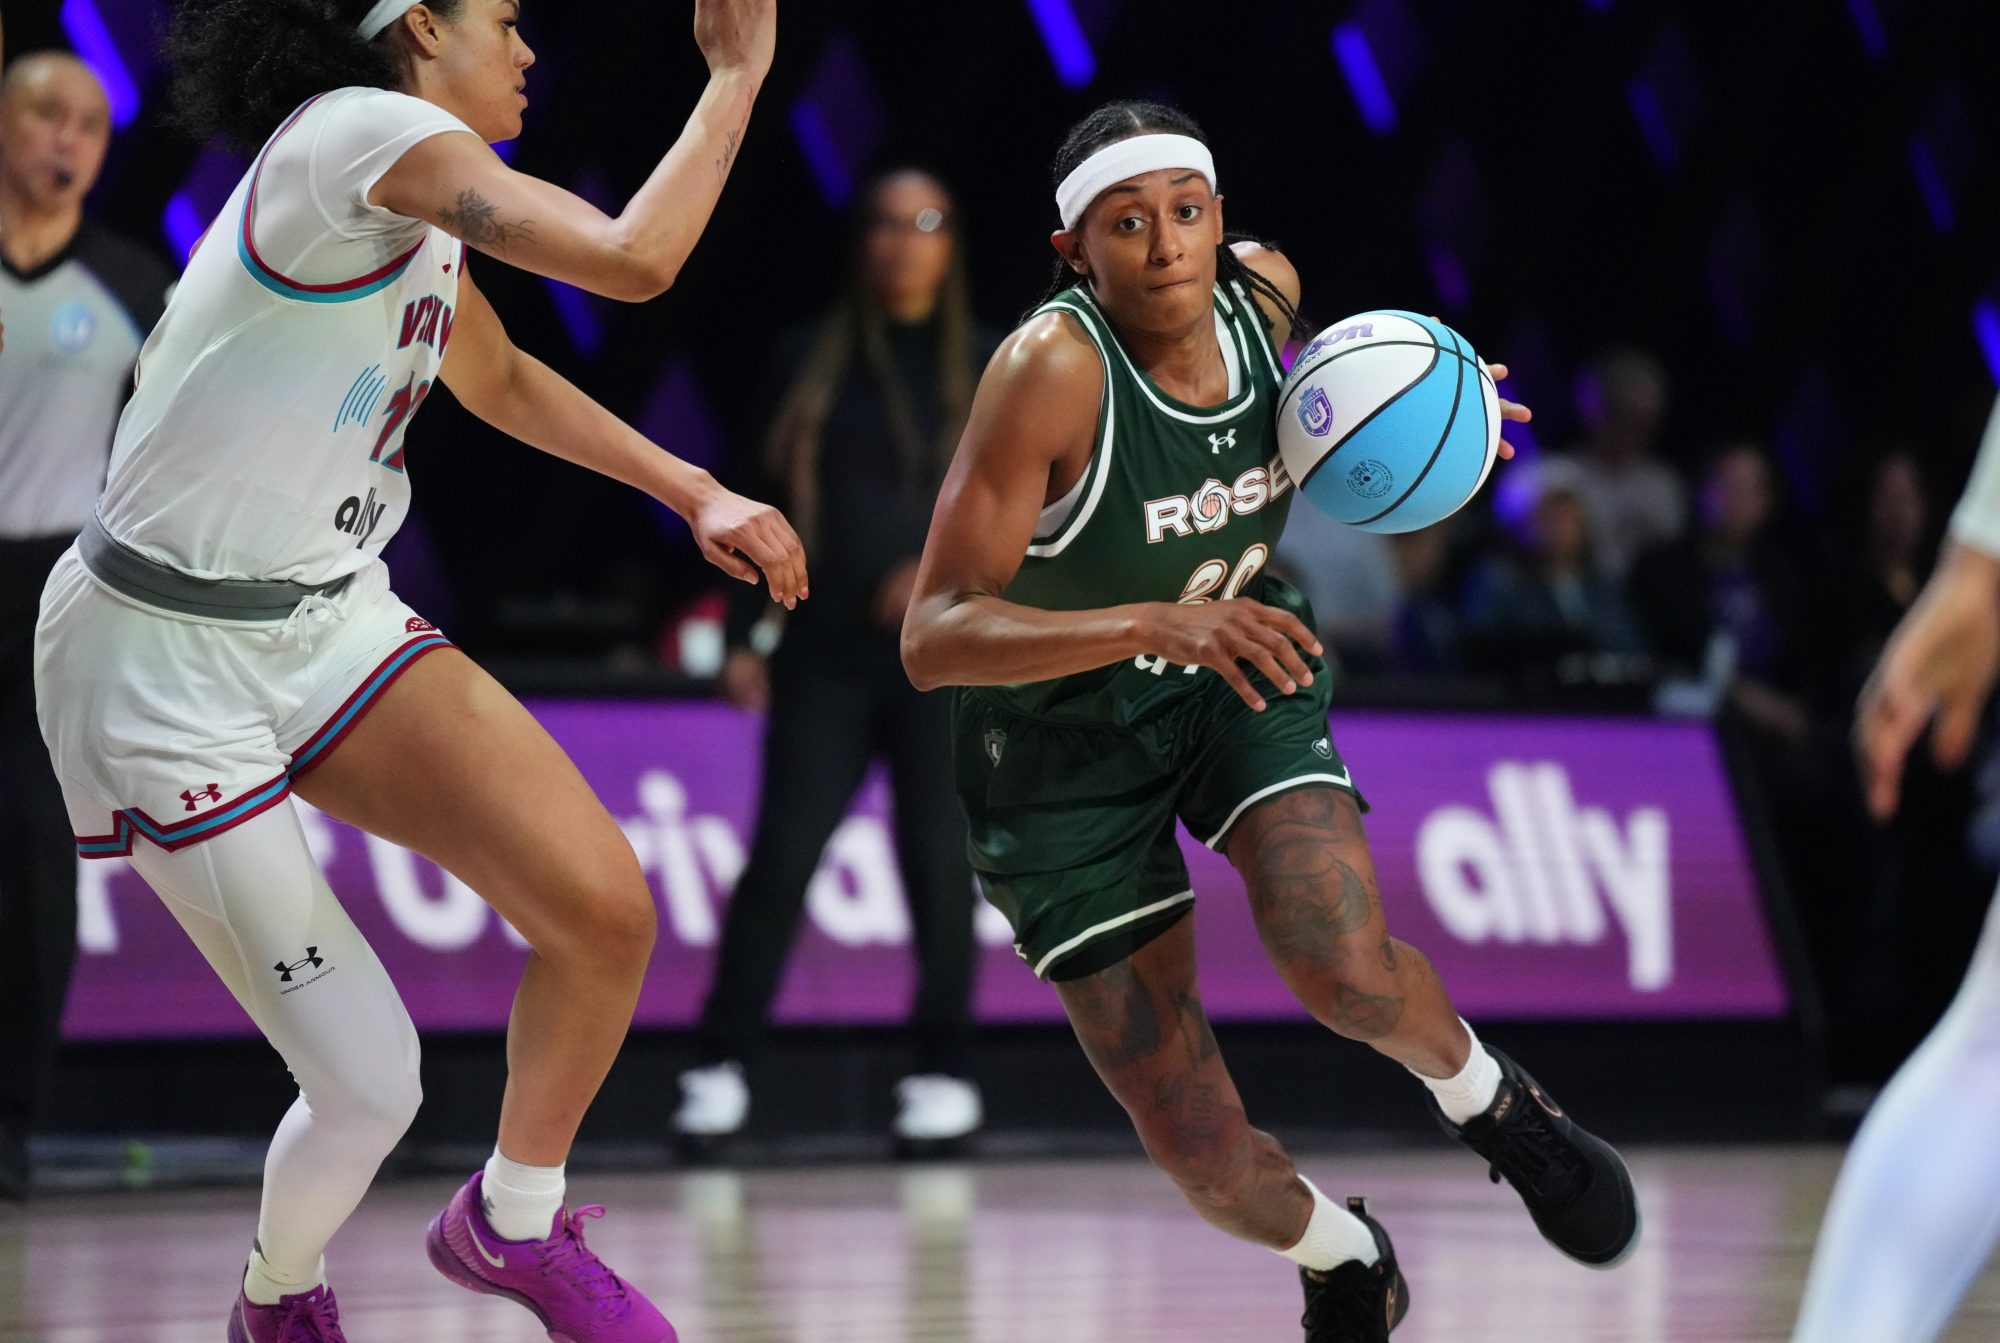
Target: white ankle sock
520 1202
1333 1236
264 1285
1472 1091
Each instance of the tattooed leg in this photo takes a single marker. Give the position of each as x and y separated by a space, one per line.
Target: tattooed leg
1312 889
1142 1024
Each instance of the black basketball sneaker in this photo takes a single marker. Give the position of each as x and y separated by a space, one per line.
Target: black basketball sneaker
1355 1302
1576 1187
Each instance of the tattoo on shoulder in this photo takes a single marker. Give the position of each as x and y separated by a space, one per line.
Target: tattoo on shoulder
477 221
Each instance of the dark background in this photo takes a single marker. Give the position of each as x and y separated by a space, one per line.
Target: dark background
1790 202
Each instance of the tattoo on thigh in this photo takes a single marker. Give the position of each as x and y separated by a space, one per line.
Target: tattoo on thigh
475 219
1306 896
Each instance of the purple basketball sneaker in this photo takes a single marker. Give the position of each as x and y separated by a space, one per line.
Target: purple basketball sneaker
577 1298
309 1317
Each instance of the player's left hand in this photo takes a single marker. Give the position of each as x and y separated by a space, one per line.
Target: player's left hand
736 534
1509 410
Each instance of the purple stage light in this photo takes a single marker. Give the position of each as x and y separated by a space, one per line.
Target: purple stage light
579 317
838 120
1930 184
1454 290
809 128
1653 124
1069 49
1364 77
93 42
1873 40
1986 326
183 224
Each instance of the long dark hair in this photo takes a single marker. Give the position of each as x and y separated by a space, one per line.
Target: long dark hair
857 327
242 66
1121 121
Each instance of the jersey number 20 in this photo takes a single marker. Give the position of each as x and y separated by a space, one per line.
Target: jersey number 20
1213 574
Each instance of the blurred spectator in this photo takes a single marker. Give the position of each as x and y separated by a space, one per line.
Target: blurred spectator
80 301
1424 635
1350 578
1546 599
877 392
1633 499
1722 605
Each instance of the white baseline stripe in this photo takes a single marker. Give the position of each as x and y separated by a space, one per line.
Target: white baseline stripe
1109 925
1344 780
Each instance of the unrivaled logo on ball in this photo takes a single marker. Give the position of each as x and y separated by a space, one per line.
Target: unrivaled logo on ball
1316 412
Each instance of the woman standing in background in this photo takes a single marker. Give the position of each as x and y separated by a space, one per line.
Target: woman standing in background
876 393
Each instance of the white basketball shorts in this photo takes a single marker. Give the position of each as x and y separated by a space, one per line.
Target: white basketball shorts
174 728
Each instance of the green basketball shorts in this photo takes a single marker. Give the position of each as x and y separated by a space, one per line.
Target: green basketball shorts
1072 827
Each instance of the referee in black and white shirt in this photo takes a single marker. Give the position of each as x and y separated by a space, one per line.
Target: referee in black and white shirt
78 302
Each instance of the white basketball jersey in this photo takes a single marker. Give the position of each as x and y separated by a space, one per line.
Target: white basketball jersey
265 439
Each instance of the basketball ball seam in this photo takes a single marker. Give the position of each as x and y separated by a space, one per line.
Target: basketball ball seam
1366 420
1451 420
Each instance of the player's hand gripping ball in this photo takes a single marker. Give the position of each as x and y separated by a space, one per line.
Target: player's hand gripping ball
1389 422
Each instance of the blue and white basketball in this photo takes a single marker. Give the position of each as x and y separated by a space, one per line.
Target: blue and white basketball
1387 422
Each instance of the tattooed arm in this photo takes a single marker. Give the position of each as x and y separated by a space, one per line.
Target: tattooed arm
460 184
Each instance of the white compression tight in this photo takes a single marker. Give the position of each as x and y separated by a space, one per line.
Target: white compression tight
253 900
1917 1206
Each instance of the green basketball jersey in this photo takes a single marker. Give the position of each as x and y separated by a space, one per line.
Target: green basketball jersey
1179 503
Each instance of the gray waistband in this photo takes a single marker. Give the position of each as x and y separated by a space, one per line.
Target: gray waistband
125 570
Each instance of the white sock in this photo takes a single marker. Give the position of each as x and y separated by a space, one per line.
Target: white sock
264 1285
1333 1236
520 1202
1472 1091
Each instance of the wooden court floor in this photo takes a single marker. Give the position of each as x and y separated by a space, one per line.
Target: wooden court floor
1095 1251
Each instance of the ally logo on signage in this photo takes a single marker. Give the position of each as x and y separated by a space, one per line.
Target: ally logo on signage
1539 867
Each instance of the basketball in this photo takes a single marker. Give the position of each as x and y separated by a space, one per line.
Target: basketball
1387 422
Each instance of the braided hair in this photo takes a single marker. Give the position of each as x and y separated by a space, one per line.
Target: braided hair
1121 121
240 67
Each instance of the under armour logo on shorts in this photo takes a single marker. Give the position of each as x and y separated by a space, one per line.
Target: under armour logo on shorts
194 797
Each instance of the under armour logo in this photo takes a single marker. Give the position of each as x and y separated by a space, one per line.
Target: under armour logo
194 797
1217 442
313 959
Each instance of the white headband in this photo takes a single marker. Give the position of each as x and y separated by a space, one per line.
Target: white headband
1128 158
385 13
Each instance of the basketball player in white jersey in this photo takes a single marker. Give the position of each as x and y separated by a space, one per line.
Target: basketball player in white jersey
223 633
1917 1208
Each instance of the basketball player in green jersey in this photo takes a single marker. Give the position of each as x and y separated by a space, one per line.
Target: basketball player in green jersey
1095 582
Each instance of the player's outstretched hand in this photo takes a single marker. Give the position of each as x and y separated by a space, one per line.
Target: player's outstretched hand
1226 634
737 36
1941 663
1509 410
737 533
